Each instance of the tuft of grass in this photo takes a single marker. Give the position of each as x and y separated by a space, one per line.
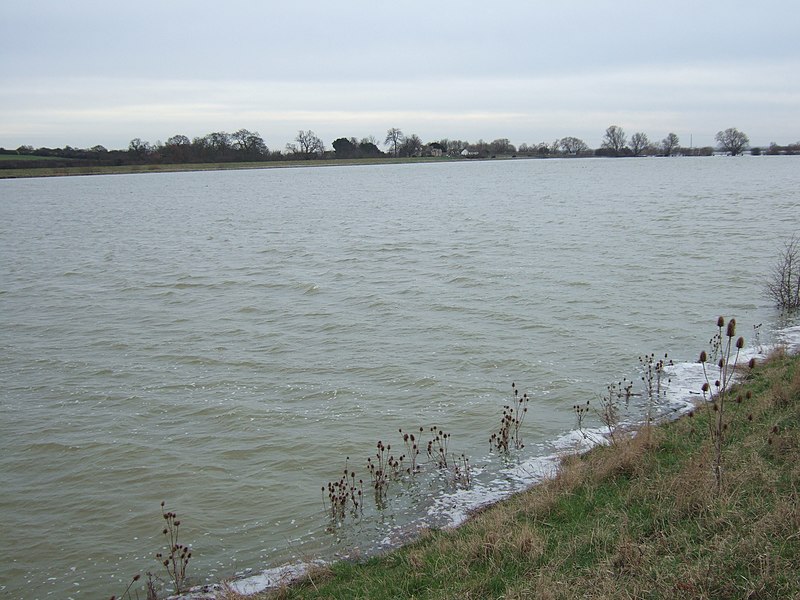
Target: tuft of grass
640 519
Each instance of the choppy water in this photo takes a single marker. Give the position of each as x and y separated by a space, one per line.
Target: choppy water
224 340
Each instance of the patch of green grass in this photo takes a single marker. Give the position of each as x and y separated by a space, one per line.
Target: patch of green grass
641 519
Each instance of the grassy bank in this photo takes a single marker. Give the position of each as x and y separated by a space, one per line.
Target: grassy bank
640 519
228 166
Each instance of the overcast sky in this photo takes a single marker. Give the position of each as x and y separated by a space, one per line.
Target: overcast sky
87 72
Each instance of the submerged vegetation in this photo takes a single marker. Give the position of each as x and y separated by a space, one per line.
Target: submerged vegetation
646 517
345 498
700 507
510 434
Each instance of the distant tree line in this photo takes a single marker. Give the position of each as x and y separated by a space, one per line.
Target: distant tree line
248 146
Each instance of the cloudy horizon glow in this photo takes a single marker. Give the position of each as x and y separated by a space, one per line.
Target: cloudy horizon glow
89 72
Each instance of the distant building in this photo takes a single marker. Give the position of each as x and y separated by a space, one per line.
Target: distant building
432 149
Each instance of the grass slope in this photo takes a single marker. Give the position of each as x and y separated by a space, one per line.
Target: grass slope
640 519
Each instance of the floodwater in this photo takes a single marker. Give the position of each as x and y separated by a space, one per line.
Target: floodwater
223 341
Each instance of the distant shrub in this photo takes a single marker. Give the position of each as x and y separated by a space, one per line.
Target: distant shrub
783 286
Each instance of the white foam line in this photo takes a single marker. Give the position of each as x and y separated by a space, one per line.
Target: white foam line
790 337
251 584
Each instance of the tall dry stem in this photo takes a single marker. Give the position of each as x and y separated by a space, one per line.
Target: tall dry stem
715 394
178 556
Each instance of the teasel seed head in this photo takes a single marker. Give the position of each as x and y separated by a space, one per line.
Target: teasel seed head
703 356
740 343
731 328
720 322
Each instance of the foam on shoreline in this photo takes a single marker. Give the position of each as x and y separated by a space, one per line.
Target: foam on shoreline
449 510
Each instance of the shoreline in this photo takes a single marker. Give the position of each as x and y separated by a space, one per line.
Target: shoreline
684 401
45 172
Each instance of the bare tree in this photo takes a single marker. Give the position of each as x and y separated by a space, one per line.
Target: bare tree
178 140
411 146
638 143
502 146
456 147
370 139
573 145
732 140
220 141
480 147
308 144
249 144
614 139
139 149
670 144
394 137
784 285
177 149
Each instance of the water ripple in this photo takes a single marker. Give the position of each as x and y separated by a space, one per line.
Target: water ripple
224 340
